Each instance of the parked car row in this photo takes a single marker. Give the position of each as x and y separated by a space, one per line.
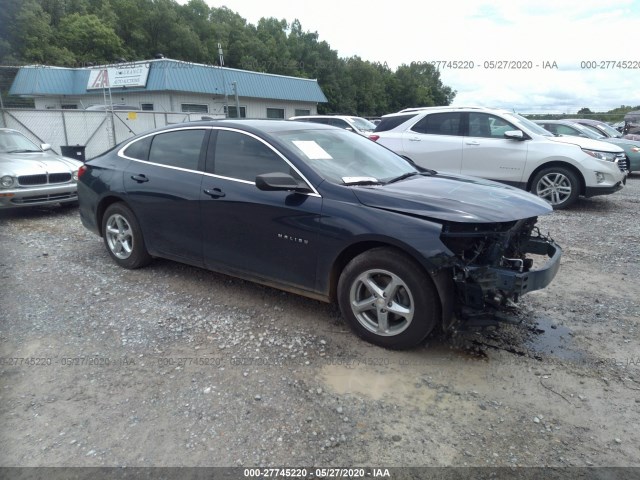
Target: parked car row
505 147
596 130
355 124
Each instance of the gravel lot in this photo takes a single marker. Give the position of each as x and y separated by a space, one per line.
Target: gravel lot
176 366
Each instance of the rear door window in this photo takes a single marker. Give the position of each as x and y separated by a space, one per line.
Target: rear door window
181 148
448 123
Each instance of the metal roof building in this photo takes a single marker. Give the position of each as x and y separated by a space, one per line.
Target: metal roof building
167 85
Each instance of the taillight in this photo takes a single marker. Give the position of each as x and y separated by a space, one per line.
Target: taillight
82 170
374 137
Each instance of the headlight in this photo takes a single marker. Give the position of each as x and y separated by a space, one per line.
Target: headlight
610 157
7 181
75 176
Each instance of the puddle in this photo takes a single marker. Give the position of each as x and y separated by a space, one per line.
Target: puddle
548 338
372 383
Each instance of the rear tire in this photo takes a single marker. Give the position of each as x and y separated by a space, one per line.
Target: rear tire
387 299
559 186
123 237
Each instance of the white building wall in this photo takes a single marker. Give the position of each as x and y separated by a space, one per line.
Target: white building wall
173 102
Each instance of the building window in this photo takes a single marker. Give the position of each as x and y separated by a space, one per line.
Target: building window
233 112
69 106
302 111
195 108
275 112
146 107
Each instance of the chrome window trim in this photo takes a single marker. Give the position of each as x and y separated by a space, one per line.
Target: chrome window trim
121 154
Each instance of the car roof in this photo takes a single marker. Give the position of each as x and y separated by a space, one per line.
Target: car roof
250 125
446 108
562 120
588 121
324 116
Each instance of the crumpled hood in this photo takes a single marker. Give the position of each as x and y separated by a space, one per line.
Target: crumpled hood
454 198
35 163
588 143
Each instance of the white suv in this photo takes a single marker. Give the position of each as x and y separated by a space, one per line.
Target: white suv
505 147
355 124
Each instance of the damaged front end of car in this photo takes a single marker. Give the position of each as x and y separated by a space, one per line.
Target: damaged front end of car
496 263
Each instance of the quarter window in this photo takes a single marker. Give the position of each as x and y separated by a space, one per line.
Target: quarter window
177 149
243 157
440 124
139 149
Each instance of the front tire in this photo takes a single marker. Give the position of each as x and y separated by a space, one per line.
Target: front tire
123 237
387 299
559 186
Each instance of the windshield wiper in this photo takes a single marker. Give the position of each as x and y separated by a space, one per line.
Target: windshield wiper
427 173
361 181
24 151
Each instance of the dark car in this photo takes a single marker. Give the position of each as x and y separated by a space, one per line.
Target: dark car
324 213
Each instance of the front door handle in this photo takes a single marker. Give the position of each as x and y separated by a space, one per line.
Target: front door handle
214 192
472 142
139 178
415 139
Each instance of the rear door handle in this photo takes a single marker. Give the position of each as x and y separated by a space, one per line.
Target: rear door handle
415 139
139 178
472 142
214 192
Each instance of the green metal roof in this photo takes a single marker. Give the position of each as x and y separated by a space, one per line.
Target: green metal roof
175 76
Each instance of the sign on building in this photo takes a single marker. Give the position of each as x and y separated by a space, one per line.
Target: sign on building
123 76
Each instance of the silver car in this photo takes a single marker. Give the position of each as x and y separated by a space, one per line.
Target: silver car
34 175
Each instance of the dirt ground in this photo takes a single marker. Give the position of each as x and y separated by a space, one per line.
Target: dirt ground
177 366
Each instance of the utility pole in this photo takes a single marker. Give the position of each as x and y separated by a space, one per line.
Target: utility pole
224 83
235 91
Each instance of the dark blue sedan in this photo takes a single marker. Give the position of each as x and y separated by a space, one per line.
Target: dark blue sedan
324 213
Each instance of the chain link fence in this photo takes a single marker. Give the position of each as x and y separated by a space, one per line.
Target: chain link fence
91 131
95 131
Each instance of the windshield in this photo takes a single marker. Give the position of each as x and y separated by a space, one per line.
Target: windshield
341 157
14 142
609 130
528 125
363 124
589 132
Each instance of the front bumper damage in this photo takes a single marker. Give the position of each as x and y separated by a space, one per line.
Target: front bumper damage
494 267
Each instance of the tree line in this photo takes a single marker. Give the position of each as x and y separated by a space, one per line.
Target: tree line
614 115
86 32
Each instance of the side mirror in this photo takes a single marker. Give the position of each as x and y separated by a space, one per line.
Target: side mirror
45 146
280 182
514 135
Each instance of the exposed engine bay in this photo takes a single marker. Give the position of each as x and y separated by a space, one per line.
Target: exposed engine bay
492 264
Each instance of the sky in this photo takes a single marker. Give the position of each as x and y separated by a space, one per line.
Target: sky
560 55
